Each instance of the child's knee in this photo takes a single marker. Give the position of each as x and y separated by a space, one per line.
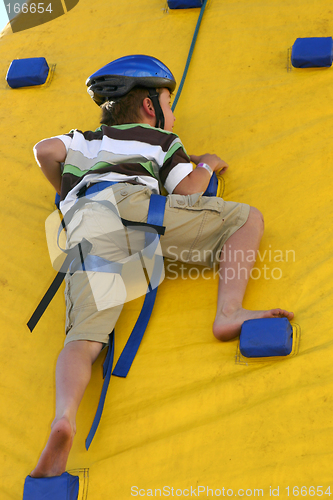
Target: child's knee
256 218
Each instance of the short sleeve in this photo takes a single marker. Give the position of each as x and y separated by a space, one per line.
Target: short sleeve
66 139
176 166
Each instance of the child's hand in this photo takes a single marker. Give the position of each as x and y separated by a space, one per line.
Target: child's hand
214 161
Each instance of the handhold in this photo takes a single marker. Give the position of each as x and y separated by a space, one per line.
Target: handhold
27 72
312 52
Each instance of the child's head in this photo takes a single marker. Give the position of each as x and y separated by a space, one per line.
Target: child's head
134 89
125 109
137 107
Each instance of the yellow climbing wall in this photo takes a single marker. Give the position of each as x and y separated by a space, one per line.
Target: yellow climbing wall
188 415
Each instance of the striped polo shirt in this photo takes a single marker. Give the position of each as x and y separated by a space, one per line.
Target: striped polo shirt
135 153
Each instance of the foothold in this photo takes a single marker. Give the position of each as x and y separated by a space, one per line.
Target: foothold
312 52
27 72
266 337
64 487
184 4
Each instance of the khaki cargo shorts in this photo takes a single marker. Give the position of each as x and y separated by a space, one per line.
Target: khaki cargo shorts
197 227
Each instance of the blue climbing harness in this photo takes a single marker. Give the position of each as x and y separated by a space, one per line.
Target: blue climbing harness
79 258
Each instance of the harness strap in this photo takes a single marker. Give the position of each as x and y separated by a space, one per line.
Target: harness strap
155 216
95 263
107 368
78 253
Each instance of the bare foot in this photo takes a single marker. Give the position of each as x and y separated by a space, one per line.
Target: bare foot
53 459
228 326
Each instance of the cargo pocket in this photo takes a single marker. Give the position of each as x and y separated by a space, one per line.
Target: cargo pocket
133 202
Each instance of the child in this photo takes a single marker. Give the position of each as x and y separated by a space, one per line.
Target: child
132 155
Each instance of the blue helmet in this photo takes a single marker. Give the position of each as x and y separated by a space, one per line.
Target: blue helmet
120 76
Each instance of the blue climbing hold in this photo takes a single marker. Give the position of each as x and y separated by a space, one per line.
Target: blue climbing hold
27 72
312 52
64 487
266 337
212 186
184 4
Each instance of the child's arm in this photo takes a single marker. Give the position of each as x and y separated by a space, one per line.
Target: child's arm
197 181
49 155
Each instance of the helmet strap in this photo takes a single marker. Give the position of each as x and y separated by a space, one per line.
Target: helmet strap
153 94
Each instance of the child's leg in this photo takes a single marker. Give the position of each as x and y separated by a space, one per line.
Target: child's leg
234 275
72 376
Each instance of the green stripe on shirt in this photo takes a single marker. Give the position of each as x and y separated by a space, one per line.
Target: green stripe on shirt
173 149
72 169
